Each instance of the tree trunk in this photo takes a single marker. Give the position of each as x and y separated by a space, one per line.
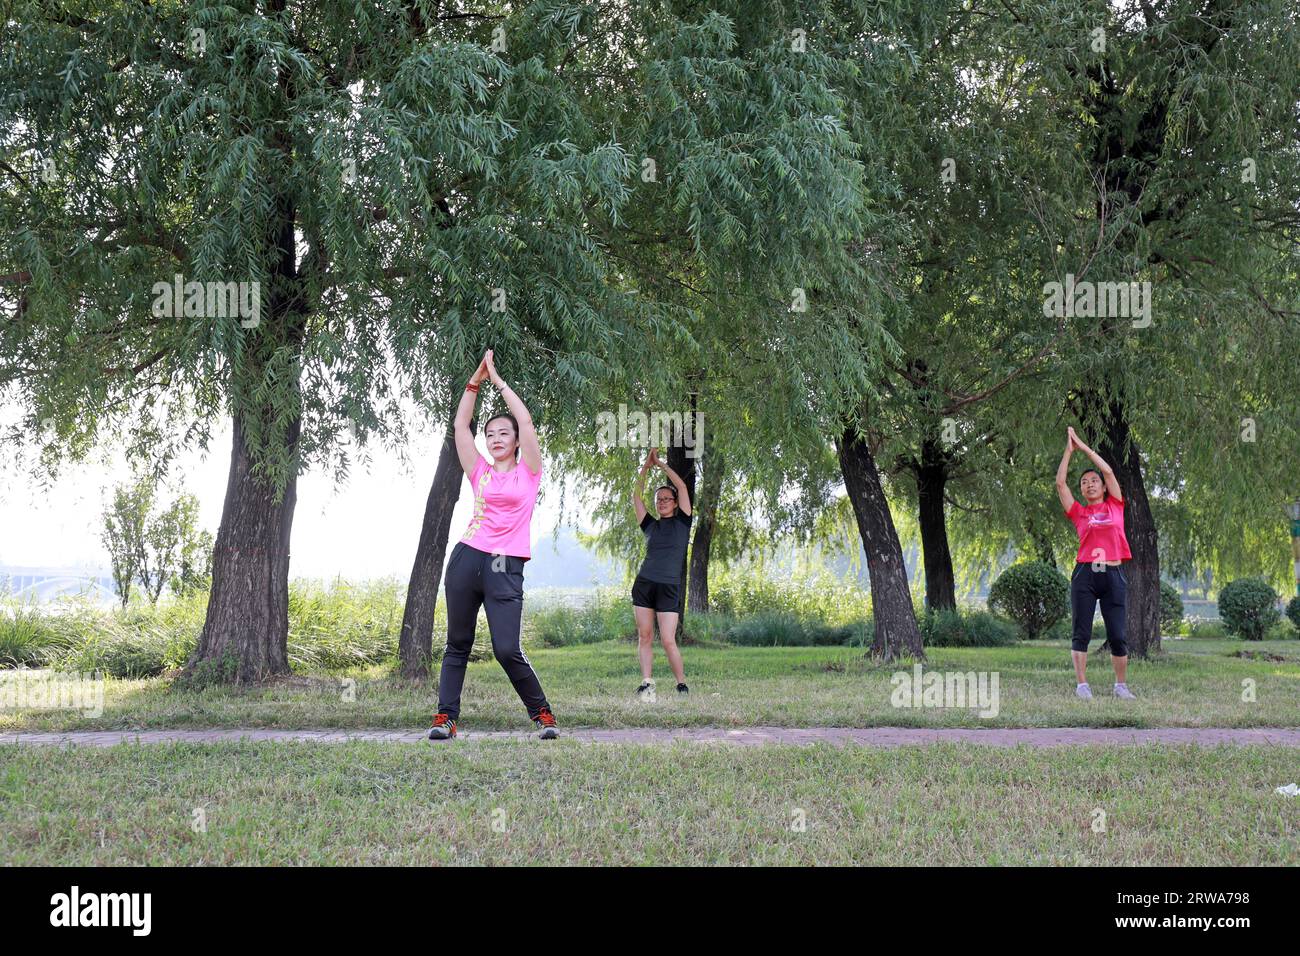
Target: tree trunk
931 477
1043 544
1117 447
245 634
415 645
685 467
896 631
706 511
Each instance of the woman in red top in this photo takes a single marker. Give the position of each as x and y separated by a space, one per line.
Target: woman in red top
1098 575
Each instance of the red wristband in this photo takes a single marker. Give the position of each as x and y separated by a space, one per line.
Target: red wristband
471 387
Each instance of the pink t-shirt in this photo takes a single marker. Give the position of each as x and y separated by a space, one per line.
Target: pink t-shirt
503 509
1101 531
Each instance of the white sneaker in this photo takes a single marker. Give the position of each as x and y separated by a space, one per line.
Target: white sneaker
1083 692
646 692
1122 692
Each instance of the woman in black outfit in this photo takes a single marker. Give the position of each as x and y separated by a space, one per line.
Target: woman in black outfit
657 591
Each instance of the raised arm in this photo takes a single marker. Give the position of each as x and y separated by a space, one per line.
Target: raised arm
1062 475
638 503
1107 473
465 450
683 496
530 452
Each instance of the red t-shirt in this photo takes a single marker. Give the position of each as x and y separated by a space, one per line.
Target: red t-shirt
1101 531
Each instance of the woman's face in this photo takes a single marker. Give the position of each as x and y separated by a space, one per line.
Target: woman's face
1092 487
501 439
665 503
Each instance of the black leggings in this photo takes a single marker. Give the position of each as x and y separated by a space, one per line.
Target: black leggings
495 582
1087 588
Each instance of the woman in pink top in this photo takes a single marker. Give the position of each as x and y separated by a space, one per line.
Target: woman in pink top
1098 575
486 569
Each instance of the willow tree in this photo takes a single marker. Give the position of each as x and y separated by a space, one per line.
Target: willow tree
737 167
967 261
1128 145
1187 115
520 267
739 225
355 170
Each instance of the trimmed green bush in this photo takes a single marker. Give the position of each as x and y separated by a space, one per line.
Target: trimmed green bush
1171 608
1293 611
1248 607
966 629
1033 594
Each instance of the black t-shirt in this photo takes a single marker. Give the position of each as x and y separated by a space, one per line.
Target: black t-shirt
665 547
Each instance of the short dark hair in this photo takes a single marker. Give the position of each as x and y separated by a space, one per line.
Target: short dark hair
513 424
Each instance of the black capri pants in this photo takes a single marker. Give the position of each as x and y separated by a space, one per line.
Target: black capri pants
1109 587
496 583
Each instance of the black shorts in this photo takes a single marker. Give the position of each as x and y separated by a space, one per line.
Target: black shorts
655 594
1107 586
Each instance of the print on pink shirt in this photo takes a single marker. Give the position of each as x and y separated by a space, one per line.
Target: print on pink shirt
503 509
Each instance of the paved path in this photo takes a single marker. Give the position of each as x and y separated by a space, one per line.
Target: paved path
838 736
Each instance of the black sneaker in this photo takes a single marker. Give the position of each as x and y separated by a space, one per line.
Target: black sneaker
444 728
546 720
683 689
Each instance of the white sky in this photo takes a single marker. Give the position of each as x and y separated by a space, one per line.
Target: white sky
367 528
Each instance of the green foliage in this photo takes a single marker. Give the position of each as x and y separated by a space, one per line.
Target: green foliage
1280 630
332 627
344 625
211 672
1033 594
749 608
813 595
1248 607
607 617
966 629
28 637
189 545
1293 611
474 168
124 534
154 548
783 629
1171 608
1201 629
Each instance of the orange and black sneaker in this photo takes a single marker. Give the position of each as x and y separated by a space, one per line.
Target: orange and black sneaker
444 728
546 720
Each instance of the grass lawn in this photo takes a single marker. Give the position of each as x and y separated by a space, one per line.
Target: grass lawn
561 803
1195 683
